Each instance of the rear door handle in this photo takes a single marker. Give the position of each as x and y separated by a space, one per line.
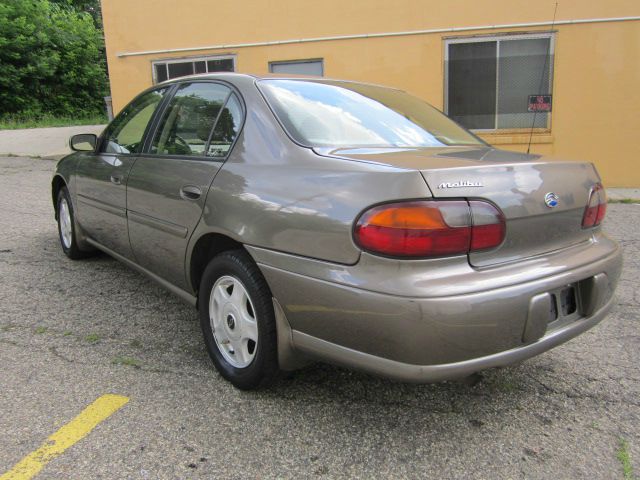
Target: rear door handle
190 192
116 179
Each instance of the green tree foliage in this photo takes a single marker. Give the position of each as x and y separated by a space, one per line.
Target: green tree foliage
51 59
92 7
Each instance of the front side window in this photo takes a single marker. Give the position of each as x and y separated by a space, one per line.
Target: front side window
125 133
489 80
328 113
168 69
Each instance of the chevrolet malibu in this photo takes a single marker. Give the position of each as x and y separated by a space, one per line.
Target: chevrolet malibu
314 219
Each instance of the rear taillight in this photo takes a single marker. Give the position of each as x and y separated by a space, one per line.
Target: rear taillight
430 228
488 226
596 207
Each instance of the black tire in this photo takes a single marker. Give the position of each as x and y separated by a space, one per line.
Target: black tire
71 250
263 369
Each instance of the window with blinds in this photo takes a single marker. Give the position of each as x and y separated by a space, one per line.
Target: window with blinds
489 80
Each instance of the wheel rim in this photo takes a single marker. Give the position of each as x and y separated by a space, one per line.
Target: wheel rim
233 321
65 223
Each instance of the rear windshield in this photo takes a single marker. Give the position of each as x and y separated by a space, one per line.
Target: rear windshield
318 113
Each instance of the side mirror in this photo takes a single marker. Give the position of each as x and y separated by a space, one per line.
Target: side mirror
84 142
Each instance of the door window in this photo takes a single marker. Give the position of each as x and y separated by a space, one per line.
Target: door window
125 133
187 128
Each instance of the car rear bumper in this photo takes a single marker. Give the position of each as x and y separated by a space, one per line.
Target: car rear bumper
407 372
491 318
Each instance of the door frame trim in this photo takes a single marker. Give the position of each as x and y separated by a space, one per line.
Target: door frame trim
105 207
162 225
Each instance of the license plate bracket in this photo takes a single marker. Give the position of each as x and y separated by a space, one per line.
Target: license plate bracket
564 304
568 301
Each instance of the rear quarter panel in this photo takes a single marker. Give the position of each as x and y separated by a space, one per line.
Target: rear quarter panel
275 194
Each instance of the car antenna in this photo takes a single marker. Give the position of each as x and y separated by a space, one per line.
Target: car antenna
544 68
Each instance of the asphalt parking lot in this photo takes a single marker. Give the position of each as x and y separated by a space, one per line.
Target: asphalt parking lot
71 332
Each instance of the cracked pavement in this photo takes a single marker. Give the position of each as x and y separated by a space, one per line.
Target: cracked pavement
72 331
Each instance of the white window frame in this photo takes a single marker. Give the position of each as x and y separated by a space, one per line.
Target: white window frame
499 38
167 61
303 60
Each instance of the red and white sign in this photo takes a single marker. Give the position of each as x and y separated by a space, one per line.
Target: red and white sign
539 103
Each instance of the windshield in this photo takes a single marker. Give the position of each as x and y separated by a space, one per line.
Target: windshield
318 113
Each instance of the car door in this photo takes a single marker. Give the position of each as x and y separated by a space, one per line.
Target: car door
101 177
168 184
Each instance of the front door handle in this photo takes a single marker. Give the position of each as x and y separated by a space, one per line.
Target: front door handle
190 192
116 179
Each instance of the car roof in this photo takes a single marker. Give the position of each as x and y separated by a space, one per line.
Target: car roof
230 76
237 76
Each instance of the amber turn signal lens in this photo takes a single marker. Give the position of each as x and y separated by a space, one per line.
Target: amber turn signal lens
415 216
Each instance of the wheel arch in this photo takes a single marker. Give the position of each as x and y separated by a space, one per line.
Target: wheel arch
204 249
57 183
211 244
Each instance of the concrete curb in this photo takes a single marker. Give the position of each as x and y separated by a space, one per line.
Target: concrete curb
618 194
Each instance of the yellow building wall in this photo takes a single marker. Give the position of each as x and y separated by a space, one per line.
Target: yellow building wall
596 68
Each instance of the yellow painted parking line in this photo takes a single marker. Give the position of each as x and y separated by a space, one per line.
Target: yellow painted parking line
66 436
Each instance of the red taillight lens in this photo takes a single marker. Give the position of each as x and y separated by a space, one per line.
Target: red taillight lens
596 207
429 228
488 226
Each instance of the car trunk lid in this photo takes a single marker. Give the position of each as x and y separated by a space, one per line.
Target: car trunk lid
516 183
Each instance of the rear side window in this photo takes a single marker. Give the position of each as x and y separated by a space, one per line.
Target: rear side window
124 134
189 119
226 129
